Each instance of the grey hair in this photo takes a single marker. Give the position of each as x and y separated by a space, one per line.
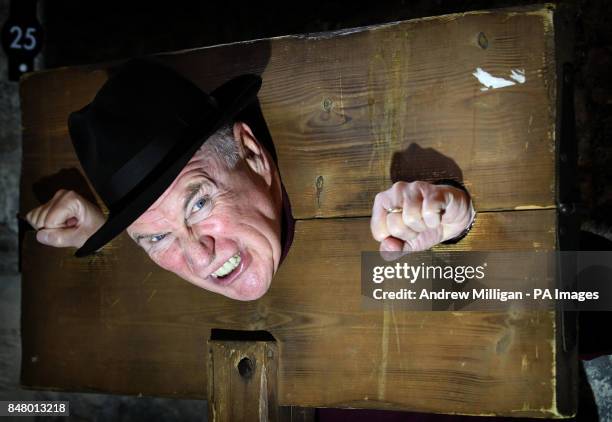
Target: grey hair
223 146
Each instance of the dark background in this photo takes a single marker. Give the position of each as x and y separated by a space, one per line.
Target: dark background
81 32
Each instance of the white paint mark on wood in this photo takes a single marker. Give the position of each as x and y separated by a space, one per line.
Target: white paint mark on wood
533 207
518 75
493 82
263 394
384 344
397 336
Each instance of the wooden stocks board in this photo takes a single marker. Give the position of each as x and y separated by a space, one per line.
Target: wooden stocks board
349 112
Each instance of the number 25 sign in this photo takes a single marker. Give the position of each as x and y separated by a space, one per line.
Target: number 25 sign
22 37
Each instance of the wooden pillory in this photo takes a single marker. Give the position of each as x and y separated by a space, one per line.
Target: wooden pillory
349 112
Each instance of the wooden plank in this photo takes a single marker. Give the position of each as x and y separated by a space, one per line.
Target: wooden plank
242 381
111 324
350 112
297 414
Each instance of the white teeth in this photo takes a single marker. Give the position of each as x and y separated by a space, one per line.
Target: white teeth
228 266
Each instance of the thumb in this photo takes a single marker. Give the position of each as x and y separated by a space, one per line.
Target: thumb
58 238
390 249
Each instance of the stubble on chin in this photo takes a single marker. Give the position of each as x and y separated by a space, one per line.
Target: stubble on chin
251 287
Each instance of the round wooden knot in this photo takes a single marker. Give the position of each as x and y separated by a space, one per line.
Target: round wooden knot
327 105
483 42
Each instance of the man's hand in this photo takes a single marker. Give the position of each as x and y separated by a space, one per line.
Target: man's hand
66 220
430 214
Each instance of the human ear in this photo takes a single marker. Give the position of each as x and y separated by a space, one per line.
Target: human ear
252 151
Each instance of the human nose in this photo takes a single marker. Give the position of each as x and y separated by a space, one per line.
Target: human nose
199 252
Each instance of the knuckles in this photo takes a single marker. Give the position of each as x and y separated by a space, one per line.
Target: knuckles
399 189
379 197
402 187
417 219
410 219
65 195
399 186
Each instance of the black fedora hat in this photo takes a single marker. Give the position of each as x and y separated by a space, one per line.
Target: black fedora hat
140 130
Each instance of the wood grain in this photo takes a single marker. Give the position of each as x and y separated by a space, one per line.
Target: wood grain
242 382
110 324
351 112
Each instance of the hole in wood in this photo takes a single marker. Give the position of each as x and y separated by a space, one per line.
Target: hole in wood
327 104
246 368
240 335
483 42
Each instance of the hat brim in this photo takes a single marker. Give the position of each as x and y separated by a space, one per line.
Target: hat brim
232 97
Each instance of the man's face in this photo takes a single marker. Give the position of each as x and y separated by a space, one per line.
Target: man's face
216 227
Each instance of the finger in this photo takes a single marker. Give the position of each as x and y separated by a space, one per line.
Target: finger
36 222
433 209
391 249
42 215
59 215
37 217
48 214
457 205
52 237
378 222
424 241
411 213
29 218
409 246
391 244
397 228
46 208
63 237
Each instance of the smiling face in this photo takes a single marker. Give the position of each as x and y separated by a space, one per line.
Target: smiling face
218 224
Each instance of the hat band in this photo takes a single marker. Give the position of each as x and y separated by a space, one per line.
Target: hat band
141 165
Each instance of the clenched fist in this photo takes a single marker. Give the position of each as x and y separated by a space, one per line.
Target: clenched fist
66 220
430 214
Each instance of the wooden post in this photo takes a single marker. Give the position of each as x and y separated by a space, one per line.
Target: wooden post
242 381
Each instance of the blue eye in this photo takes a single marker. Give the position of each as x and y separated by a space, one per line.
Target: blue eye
156 238
199 205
